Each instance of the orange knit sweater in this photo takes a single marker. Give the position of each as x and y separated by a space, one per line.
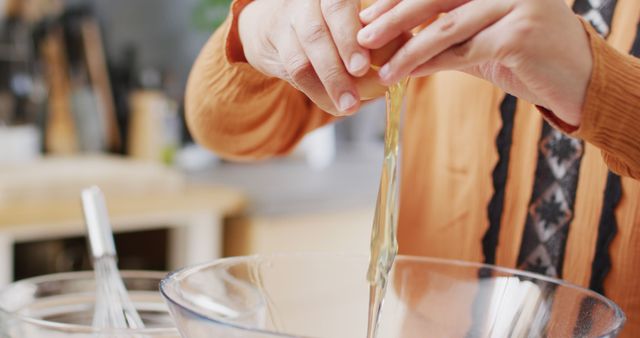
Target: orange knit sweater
449 153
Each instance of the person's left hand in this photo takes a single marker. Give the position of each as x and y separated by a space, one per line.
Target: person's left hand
534 49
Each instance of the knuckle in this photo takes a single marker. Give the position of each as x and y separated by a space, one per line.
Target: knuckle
524 24
509 42
330 7
448 21
493 71
281 72
334 76
525 28
314 33
346 43
300 69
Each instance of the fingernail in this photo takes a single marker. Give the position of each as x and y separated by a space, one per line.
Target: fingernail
385 72
366 13
358 62
347 100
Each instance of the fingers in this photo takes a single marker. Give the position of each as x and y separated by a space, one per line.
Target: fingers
341 17
400 18
480 57
317 43
461 56
299 72
376 9
453 28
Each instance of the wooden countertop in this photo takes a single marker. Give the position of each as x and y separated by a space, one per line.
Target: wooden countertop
63 217
47 213
134 192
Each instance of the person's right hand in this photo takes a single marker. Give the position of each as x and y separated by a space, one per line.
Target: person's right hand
312 45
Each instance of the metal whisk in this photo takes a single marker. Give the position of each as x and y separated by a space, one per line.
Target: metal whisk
113 309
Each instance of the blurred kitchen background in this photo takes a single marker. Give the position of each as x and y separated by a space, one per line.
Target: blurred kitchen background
91 92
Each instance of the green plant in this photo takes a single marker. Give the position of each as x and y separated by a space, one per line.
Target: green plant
209 14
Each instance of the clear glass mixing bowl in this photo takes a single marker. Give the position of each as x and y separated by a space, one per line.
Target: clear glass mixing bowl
326 296
61 305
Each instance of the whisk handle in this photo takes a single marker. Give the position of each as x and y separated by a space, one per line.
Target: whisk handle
97 219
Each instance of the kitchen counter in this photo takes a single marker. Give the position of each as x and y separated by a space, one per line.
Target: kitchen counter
290 186
294 208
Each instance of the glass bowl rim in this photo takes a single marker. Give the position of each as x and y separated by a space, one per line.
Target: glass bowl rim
76 328
186 271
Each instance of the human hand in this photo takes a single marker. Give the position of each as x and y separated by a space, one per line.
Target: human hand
534 49
312 45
